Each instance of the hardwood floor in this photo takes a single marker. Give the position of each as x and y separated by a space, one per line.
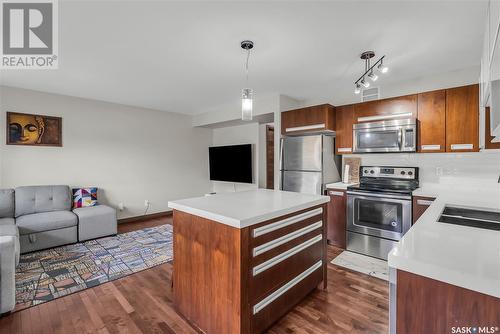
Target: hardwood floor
142 303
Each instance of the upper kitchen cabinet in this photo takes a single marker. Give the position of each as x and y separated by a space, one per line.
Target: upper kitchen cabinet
462 119
344 120
378 110
310 119
432 121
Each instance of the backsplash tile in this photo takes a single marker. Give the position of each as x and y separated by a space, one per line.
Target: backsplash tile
444 168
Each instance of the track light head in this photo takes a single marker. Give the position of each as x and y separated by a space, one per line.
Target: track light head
373 76
364 83
382 68
357 90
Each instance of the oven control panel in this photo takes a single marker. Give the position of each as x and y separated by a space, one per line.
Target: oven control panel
406 173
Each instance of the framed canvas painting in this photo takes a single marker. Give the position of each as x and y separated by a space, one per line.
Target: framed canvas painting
33 130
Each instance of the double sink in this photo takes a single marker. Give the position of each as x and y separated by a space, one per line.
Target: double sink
486 219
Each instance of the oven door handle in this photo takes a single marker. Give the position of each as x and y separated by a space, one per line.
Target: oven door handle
400 139
367 194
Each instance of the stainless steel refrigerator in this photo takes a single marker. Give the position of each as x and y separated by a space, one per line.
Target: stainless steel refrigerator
308 163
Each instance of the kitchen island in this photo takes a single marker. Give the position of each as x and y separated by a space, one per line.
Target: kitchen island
243 260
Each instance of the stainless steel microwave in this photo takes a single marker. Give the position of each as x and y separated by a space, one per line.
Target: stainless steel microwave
398 135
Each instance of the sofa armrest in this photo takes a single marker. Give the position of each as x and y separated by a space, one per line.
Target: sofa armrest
7 274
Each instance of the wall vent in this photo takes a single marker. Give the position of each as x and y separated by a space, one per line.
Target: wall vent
370 94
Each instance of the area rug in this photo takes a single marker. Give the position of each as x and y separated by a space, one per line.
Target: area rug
363 264
49 274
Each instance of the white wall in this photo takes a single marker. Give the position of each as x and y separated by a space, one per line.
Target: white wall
132 154
235 135
477 168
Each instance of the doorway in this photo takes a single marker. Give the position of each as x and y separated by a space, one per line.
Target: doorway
269 157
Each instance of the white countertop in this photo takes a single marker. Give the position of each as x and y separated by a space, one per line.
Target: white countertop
339 185
463 256
246 208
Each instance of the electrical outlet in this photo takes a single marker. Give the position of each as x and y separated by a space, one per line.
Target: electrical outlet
120 206
146 203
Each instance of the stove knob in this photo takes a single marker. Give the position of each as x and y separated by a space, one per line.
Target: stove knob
372 172
403 172
410 173
366 171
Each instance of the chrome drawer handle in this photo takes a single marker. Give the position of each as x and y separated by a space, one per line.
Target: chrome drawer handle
424 202
462 146
285 222
430 147
344 149
306 127
285 255
286 238
290 284
336 193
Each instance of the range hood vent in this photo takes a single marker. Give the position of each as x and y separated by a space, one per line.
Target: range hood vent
370 94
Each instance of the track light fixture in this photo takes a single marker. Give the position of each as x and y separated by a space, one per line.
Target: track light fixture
369 70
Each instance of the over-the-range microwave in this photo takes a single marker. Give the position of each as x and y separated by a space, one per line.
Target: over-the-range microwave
395 135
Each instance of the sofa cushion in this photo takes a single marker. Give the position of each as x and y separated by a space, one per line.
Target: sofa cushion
12 231
37 199
45 221
7 221
6 203
9 230
95 222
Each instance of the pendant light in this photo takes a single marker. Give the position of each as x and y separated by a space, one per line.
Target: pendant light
246 93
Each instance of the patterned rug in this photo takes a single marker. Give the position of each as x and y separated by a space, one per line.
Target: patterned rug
49 274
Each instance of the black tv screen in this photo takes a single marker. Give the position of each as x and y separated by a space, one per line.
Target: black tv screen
231 163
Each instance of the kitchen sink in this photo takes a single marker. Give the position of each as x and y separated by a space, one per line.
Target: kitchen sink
487 219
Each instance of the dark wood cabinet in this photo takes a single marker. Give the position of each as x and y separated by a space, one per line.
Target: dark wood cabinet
315 118
336 227
425 305
420 204
406 106
343 120
462 119
431 117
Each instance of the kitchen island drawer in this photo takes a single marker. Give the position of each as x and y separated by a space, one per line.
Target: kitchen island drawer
270 271
285 225
281 300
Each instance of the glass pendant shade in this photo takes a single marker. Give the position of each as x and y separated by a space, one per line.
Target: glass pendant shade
246 104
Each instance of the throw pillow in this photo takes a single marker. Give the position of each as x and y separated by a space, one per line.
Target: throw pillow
83 197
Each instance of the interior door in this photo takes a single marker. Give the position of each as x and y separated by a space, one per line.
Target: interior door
302 153
302 182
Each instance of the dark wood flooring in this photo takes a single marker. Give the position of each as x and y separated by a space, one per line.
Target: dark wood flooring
142 303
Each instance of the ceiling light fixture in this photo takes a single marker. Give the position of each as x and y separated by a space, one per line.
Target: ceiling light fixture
369 70
373 76
357 90
246 93
382 68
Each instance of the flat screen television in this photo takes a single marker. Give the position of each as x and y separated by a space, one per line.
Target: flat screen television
231 163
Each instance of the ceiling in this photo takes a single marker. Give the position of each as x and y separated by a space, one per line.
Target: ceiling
185 56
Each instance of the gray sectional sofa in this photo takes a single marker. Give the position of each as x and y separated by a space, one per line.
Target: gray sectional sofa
40 217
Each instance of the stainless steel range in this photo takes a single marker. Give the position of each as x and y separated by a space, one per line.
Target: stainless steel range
379 209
